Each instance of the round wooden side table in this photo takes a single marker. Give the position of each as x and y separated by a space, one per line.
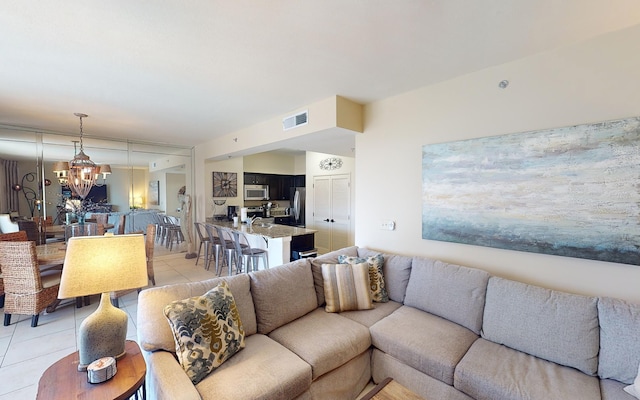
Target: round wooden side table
62 380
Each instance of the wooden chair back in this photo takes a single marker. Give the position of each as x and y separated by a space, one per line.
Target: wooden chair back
121 224
20 236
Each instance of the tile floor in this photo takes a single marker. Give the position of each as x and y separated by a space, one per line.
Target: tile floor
25 352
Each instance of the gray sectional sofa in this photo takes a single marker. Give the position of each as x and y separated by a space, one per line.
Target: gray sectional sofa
448 332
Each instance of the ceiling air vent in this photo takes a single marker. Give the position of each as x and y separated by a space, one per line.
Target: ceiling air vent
295 120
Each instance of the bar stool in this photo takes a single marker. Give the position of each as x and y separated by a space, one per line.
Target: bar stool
248 255
174 232
216 248
204 240
231 256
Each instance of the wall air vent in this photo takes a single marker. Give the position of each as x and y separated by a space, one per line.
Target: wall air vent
296 120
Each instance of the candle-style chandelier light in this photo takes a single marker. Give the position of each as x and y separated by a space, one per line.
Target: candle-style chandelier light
80 174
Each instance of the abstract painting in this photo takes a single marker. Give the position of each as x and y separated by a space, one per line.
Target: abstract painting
571 191
154 193
225 184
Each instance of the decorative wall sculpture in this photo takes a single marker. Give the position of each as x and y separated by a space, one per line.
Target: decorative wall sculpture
225 184
572 191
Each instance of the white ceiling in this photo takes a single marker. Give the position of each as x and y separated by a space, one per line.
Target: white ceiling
183 72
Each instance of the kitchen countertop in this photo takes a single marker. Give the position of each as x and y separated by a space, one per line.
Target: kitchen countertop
273 231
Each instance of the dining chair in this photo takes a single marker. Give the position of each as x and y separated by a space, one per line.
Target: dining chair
20 236
27 290
149 245
204 241
121 224
31 228
248 256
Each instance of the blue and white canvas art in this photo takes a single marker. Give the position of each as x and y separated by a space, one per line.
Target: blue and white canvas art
572 191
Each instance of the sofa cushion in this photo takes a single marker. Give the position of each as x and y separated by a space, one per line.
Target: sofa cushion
370 317
383 366
450 291
376 276
556 326
426 342
346 287
619 345
492 371
396 270
264 369
282 294
328 258
154 333
207 330
324 340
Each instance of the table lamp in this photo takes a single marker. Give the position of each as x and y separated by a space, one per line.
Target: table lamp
103 264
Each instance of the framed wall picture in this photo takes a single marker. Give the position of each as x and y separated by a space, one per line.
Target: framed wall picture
569 191
225 184
154 193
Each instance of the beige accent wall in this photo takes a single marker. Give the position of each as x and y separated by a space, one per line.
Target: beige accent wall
594 81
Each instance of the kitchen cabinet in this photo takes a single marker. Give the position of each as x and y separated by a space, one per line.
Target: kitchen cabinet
279 185
252 178
299 180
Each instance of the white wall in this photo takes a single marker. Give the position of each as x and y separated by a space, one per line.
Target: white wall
595 81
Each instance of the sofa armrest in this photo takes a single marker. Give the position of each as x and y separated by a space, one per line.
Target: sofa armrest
166 379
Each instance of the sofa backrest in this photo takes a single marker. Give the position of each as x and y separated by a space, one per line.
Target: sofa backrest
396 271
549 324
328 258
619 339
154 332
282 294
449 291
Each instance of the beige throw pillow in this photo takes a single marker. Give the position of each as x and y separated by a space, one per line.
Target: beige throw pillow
376 277
346 287
207 331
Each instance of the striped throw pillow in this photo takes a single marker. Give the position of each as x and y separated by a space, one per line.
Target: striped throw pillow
346 287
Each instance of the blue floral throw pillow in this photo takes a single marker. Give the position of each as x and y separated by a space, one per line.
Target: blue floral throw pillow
376 277
207 330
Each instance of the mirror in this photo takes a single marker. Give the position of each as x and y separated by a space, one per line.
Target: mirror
143 176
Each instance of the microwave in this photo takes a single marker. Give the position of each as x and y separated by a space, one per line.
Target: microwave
256 192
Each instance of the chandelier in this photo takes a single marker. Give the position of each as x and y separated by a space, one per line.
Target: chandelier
80 174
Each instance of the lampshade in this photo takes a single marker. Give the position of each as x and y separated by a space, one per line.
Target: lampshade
105 169
99 264
102 264
61 166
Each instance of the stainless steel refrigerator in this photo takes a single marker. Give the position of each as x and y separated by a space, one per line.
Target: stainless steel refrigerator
298 197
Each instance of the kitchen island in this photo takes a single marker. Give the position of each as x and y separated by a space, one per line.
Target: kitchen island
276 239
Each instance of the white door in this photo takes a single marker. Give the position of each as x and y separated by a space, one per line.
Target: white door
332 211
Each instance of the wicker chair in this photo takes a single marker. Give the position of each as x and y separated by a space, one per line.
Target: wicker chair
26 290
149 247
20 236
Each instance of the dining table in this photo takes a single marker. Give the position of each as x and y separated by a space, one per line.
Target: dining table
60 229
51 255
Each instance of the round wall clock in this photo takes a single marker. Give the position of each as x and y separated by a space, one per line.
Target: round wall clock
331 163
